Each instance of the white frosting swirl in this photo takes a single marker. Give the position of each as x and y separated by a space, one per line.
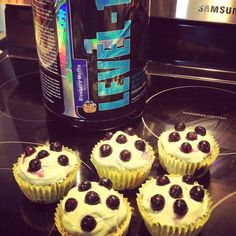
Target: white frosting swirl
107 219
51 171
173 148
166 216
138 158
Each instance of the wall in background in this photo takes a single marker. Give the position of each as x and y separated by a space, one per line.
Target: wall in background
2 18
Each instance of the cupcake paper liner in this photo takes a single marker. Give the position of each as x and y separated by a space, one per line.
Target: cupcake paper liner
157 229
124 179
174 165
46 193
121 229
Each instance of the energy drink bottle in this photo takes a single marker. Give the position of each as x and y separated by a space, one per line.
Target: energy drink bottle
92 56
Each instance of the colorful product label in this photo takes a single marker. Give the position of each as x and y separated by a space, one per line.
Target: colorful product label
100 51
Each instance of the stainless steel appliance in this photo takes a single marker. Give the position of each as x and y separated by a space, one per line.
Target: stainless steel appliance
193 39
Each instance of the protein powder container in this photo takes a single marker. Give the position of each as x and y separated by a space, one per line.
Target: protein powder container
92 56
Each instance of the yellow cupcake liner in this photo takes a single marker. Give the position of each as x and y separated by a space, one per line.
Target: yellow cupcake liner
124 179
46 193
158 229
174 165
121 229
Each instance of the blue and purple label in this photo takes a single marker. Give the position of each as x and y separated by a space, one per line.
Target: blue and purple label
101 51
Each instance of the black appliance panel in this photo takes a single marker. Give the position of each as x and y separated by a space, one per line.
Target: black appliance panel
192 43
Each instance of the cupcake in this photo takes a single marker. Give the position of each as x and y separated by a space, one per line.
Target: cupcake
93 208
46 173
187 150
124 158
174 205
